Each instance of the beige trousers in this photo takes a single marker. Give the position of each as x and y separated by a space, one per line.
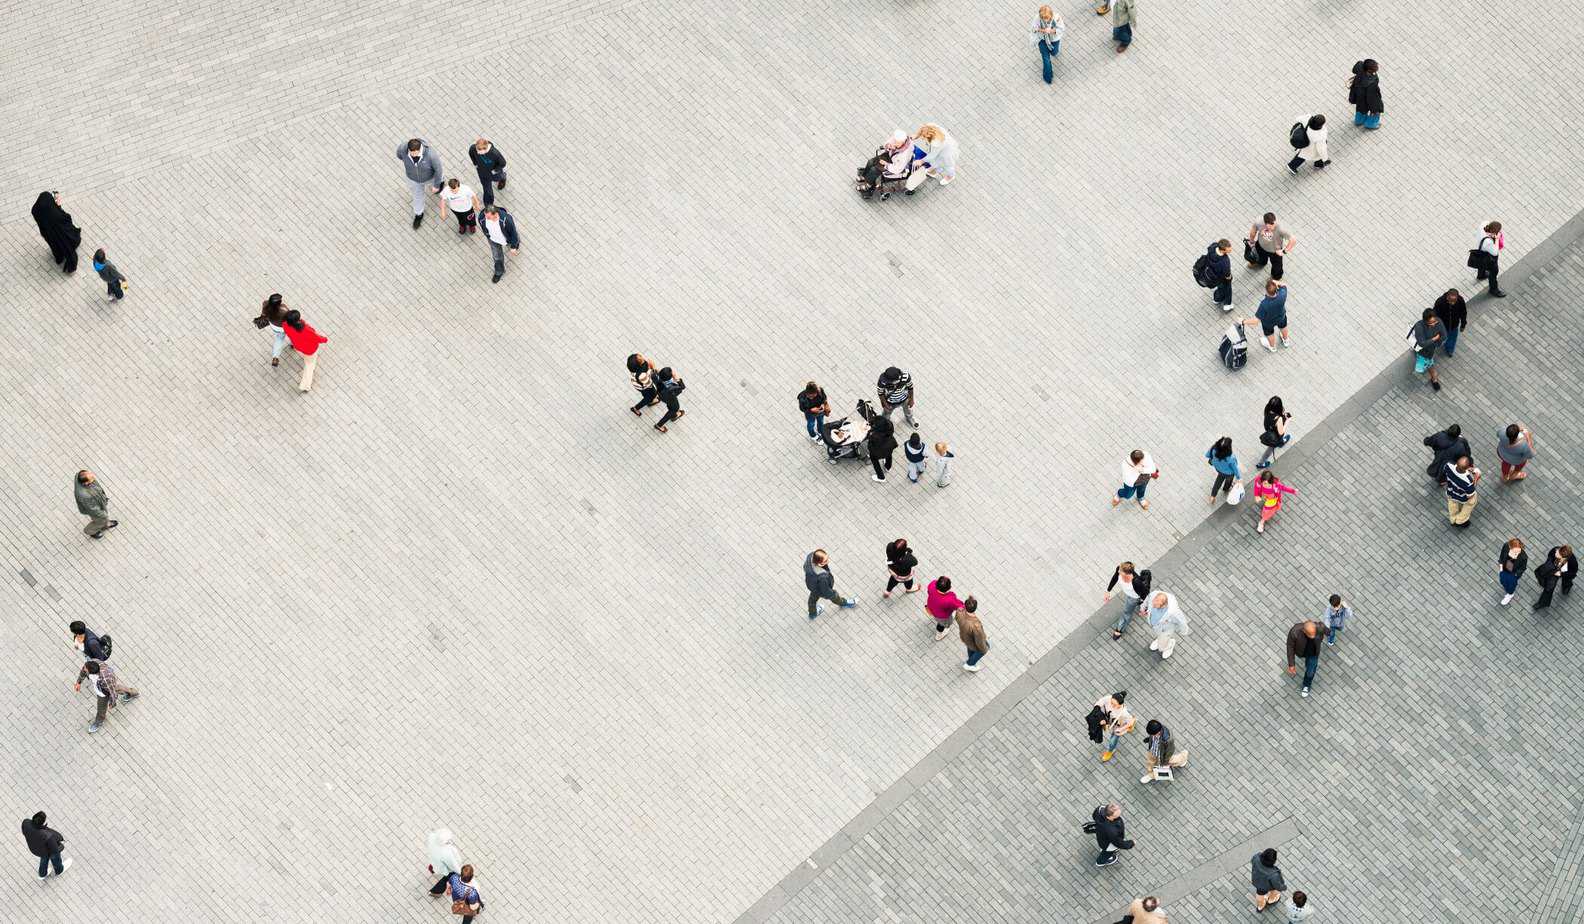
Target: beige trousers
309 362
1460 511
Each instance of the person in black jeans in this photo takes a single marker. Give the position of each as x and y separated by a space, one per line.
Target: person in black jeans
900 562
491 166
1220 268
1453 312
1560 566
1490 247
642 380
670 387
882 443
1275 435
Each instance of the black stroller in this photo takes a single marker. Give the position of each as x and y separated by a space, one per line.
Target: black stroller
848 439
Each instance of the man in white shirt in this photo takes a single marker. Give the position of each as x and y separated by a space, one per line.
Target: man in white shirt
500 230
1137 472
1167 622
463 204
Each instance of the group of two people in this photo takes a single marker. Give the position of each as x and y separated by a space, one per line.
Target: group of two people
928 152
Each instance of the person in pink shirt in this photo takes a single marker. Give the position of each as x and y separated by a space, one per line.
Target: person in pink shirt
1268 491
941 604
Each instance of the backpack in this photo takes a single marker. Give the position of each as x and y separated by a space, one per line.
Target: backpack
672 386
1201 272
104 643
1299 136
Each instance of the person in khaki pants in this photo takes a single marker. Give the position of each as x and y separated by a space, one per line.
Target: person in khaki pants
92 503
305 340
1461 480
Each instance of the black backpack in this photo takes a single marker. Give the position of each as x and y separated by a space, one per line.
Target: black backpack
1299 136
104 642
672 386
1201 272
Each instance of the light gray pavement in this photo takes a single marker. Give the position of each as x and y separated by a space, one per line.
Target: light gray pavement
459 584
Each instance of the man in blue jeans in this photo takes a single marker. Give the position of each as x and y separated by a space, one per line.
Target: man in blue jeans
45 843
1303 641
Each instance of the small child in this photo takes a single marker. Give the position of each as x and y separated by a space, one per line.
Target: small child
1336 615
112 276
913 449
943 462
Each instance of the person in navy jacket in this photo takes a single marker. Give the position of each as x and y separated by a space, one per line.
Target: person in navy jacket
500 230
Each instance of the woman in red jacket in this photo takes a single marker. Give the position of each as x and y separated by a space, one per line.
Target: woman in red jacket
305 340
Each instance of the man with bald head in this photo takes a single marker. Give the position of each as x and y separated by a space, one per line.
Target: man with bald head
491 166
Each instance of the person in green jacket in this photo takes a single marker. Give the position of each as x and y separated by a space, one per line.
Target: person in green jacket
92 503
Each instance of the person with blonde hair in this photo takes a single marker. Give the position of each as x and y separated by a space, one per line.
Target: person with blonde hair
1046 33
936 151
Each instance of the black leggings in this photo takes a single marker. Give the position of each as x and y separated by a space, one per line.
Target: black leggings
1222 483
645 398
894 581
673 410
875 460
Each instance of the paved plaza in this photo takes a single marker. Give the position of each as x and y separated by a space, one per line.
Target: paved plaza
458 584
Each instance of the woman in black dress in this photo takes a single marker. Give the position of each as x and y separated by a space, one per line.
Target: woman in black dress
56 227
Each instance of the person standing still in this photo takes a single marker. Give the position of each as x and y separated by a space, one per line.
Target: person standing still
424 174
1135 590
45 843
1427 335
1336 616
1271 315
1303 641
881 444
1274 434
972 633
115 282
56 227
465 898
814 405
1453 312
1514 449
1124 16
821 584
1167 622
107 688
1110 833
1220 458
1115 721
1160 750
900 562
1461 481
1268 242
444 859
1365 95
306 341
1267 879
1486 259
1510 564
1313 136
1046 34
93 504
1560 567
1137 473
1447 445
669 386
491 166
895 389
500 230
913 452
941 604
943 464
1219 269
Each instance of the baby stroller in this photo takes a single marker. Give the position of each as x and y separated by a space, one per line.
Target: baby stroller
874 182
847 439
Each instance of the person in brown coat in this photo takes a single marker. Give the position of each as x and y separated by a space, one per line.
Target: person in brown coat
972 633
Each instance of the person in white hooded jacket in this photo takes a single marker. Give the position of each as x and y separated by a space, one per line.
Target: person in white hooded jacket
1314 128
444 859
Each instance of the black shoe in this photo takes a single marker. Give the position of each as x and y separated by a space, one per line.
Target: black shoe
496 277
1106 860
501 183
113 524
1435 386
1292 168
1498 295
417 220
98 535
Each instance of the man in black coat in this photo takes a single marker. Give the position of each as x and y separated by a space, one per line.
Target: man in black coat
1110 833
1560 567
1448 445
45 843
491 166
87 642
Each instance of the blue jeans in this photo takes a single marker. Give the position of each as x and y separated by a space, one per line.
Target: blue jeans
1128 491
1123 35
1129 610
1047 52
1111 742
45 863
974 656
1451 340
487 180
815 422
1332 634
1509 581
1368 121
280 341
1311 664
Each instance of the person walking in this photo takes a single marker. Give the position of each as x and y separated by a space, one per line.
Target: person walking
1267 878
92 646
1298 908
1268 491
1135 584
913 452
972 633
1427 334
1124 16
1146 910
814 405
1168 623
1486 258
425 174
491 166
45 843
107 688
1447 445
1336 615
93 504
465 898
55 226
936 152
895 389
1271 315
272 315
1560 567
1510 564
941 603
444 859
1308 136
115 280
669 387
900 562
306 341
1109 830
1046 34
1453 312
463 203
1137 473
1268 242
1161 750
1462 479
643 381
1220 458
1273 434
881 443
500 230
1303 641
943 464
1514 449
821 584
1115 721
1218 273
1365 95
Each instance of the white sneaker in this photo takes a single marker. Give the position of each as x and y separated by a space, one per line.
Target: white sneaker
1147 778
1166 653
971 668
1227 307
1155 645
940 634
876 478
1506 600
1268 347
1286 342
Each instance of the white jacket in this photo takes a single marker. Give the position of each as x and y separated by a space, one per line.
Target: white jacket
443 855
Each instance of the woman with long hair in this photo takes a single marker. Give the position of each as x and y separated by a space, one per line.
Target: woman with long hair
900 562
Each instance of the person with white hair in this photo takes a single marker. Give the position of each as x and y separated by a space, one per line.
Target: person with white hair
898 158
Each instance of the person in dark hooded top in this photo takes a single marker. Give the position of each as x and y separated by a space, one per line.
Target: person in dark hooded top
882 442
1448 444
56 227
1365 95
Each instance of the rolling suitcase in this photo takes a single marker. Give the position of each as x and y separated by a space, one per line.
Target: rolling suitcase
1234 348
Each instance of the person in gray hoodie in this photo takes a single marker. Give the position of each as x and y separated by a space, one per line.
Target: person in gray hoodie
424 173
821 584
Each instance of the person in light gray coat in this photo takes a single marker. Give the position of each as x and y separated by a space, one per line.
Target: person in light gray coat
92 503
424 173
444 859
821 584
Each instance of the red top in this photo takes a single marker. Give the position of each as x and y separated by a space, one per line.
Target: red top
305 341
940 605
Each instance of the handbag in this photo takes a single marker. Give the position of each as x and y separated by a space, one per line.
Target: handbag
1248 252
1235 495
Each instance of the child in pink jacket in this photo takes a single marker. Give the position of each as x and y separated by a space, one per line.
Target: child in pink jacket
1268 493
941 603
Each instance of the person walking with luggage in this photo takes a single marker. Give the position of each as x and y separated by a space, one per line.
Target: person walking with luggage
1511 561
1427 335
814 405
943 464
1268 242
1137 473
1168 623
115 281
1216 273
463 203
643 382
972 633
1267 879
1447 445
444 859
306 341
1146 910
821 584
1335 617
1124 16
1560 567
1274 434
881 443
1268 491
1220 458
1135 588
107 687
1046 34
1452 310
93 504
1109 830
1461 479
500 231
55 226
1271 315
1303 641
913 452
900 562
465 898
669 386
1115 721
1308 136
1365 95
1486 258
895 389
45 843
491 166
941 603
1160 750
424 174
1514 449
